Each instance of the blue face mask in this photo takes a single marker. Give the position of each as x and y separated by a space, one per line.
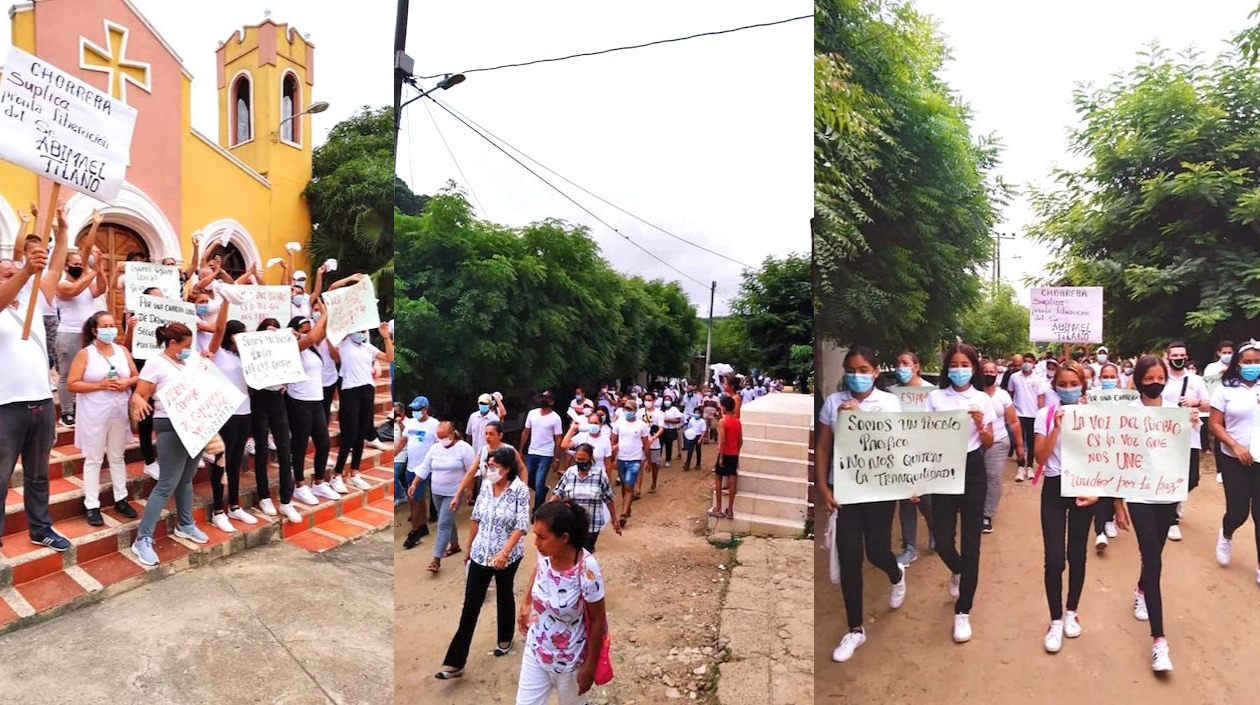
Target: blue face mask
106 335
859 384
203 310
904 374
629 416
1069 395
1249 372
315 317
1109 383
483 408
417 413
960 376
185 354
299 300
359 338
593 429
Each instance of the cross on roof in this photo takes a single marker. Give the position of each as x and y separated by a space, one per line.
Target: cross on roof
112 60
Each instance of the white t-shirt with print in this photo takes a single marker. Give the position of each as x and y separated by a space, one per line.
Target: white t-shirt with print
653 417
543 429
877 401
557 635
420 436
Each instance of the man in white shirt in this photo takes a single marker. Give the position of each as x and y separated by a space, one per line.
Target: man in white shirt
540 445
1100 358
691 400
1027 388
475 431
1188 391
419 434
1224 353
631 445
655 419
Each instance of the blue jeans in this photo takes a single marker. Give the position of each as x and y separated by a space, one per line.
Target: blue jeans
400 490
628 471
445 526
538 467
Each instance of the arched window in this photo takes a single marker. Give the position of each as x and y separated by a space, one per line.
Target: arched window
242 111
290 100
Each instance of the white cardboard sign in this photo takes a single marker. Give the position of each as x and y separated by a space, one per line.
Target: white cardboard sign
151 312
261 303
270 358
885 456
199 401
1131 452
138 276
1066 315
351 309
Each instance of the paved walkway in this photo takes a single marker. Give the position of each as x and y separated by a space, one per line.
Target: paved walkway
771 595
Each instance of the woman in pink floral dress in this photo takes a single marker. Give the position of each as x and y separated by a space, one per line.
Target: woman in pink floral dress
564 620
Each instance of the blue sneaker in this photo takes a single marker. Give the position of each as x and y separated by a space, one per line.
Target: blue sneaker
143 548
192 533
51 539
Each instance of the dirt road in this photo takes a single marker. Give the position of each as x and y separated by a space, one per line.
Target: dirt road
1210 616
664 584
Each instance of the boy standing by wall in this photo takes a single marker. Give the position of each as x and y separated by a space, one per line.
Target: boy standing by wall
730 443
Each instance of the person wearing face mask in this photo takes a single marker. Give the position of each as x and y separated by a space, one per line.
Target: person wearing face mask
500 520
672 425
304 405
357 356
865 525
540 444
655 420
178 467
446 462
1063 519
488 411
1214 370
580 407
962 389
693 433
1003 430
1105 510
587 484
1101 355
631 441
419 434
222 351
589 432
144 429
76 302
492 442
206 317
1151 521
101 376
269 418
300 302
1232 421
908 370
1027 390
1189 391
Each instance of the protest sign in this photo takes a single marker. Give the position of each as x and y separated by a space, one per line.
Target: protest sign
1112 396
260 303
1212 382
269 358
351 309
1066 315
63 129
1133 452
138 276
199 401
151 312
912 398
882 456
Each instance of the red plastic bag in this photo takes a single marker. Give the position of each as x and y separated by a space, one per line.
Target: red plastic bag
603 668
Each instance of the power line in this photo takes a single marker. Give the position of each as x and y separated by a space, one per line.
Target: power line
597 197
569 198
457 166
625 48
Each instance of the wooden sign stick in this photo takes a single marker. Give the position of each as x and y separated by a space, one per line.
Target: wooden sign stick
35 288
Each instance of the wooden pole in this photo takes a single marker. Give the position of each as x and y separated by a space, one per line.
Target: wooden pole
110 304
50 214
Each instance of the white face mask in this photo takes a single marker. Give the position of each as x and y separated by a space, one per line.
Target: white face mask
493 475
447 442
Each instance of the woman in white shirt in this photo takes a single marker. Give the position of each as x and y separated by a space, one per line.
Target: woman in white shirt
357 357
178 467
995 457
101 376
590 431
1232 421
863 525
693 434
304 405
1151 520
908 370
445 465
1062 518
959 392
222 351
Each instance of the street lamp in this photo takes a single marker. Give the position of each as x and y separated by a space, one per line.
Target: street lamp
316 107
447 83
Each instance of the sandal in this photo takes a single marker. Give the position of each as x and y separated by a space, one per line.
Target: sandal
453 550
501 651
449 675
637 495
730 513
622 520
435 565
715 513
652 490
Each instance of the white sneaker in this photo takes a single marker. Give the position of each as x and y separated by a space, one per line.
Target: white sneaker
1219 481
290 513
380 445
359 482
1019 474
221 523
1071 625
305 495
1110 530
1174 533
1054 637
1181 509
1161 662
271 443
151 470
267 507
242 516
332 462
249 446
954 581
1223 548
338 485
1100 543
1139 607
962 628
898 594
323 490
848 644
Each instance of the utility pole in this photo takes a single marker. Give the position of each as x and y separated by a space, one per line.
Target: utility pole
997 255
402 65
708 347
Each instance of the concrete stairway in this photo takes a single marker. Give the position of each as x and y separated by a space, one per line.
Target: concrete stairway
773 494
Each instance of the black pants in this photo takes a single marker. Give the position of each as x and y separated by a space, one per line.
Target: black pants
355 417
1150 523
309 424
694 448
669 439
1026 426
591 538
268 415
1104 512
859 526
329 393
144 429
1242 495
946 510
234 433
475 588
1062 521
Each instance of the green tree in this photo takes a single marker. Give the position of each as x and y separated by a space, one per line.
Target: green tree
904 199
351 196
998 324
773 312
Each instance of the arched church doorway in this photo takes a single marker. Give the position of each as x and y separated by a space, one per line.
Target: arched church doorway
116 242
233 260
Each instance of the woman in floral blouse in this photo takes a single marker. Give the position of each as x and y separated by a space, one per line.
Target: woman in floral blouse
564 620
499 521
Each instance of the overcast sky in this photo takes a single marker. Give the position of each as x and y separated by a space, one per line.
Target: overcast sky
708 138
1018 63
342 55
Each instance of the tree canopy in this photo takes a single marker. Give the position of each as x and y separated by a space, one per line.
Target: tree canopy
998 324
773 313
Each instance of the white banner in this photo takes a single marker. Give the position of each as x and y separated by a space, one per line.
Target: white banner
138 276
263 302
1133 452
1112 396
912 398
269 358
351 309
63 129
199 401
151 312
882 456
1066 315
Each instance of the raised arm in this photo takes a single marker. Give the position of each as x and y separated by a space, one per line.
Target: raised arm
388 354
57 261
220 329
